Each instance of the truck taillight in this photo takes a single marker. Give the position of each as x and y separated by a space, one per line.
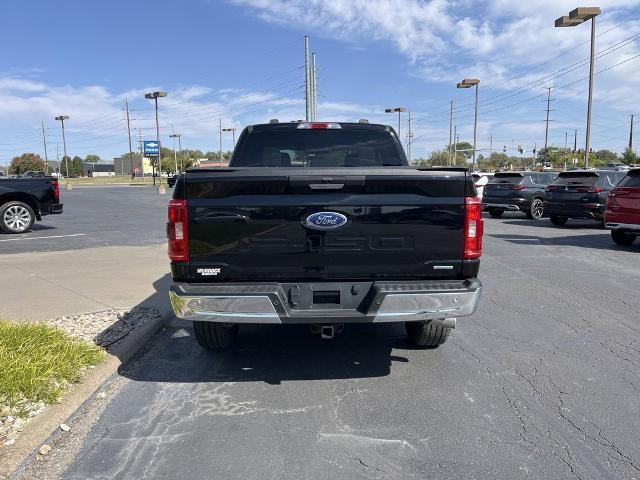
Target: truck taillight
473 228
56 188
177 231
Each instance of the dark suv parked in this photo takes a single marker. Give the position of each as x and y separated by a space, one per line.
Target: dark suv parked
517 192
579 194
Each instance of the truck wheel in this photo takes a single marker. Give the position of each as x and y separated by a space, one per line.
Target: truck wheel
16 217
495 213
215 336
622 238
556 220
424 334
536 210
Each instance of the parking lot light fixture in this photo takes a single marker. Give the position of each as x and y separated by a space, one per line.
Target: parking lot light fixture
233 132
576 17
399 110
62 118
468 83
154 96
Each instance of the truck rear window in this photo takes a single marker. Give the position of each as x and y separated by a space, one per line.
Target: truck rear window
317 148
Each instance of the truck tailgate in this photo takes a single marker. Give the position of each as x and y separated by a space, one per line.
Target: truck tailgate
249 223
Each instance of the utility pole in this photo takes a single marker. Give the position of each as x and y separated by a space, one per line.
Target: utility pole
450 132
566 136
630 136
62 118
314 88
44 142
175 155
307 80
409 138
546 130
455 145
490 144
126 106
220 128
575 141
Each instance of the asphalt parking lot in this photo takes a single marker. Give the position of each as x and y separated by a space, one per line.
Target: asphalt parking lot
542 382
96 217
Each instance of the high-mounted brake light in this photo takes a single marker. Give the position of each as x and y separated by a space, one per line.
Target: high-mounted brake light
319 126
473 228
56 188
177 231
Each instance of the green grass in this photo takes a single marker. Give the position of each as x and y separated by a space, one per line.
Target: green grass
37 362
108 180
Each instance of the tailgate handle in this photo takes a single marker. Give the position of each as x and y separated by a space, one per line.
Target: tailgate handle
326 186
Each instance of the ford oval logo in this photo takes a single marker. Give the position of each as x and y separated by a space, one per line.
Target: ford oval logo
325 220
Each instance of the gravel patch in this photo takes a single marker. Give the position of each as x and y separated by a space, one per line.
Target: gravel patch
106 329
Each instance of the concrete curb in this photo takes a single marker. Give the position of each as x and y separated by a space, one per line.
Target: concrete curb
44 425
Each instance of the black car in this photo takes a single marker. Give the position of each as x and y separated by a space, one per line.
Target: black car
580 194
25 200
516 192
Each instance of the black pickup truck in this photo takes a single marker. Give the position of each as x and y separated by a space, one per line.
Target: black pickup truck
323 224
25 200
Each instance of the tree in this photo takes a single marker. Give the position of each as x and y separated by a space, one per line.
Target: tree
76 167
629 156
65 166
25 163
606 156
92 158
438 158
465 154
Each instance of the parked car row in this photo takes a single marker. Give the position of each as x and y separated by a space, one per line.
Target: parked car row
611 197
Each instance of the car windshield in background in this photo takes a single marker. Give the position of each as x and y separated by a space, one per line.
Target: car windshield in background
318 148
510 178
631 180
601 179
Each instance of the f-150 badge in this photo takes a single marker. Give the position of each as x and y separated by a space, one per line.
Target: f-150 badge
325 221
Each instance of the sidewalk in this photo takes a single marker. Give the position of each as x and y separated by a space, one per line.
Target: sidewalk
37 286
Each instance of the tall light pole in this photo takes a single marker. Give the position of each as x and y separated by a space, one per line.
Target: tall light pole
576 17
62 118
399 110
468 83
175 156
233 131
155 96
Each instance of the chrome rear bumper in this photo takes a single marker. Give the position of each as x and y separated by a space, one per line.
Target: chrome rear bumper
501 206
270 303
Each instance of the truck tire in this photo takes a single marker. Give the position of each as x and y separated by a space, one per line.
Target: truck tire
16 217
536 209
215 336
495 213
622 238
558 221
424 334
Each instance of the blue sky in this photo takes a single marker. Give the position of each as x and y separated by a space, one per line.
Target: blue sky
240 60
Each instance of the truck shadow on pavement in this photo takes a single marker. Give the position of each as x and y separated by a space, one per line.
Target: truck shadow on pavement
270 354
593 241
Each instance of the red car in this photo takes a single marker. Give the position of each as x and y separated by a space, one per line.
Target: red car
622 216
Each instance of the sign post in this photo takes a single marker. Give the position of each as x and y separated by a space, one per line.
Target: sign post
151 148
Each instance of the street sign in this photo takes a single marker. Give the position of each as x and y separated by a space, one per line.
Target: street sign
151 148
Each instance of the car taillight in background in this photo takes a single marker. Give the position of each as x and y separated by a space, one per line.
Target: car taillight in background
519 187
473 228
56 188
589 189
177 231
